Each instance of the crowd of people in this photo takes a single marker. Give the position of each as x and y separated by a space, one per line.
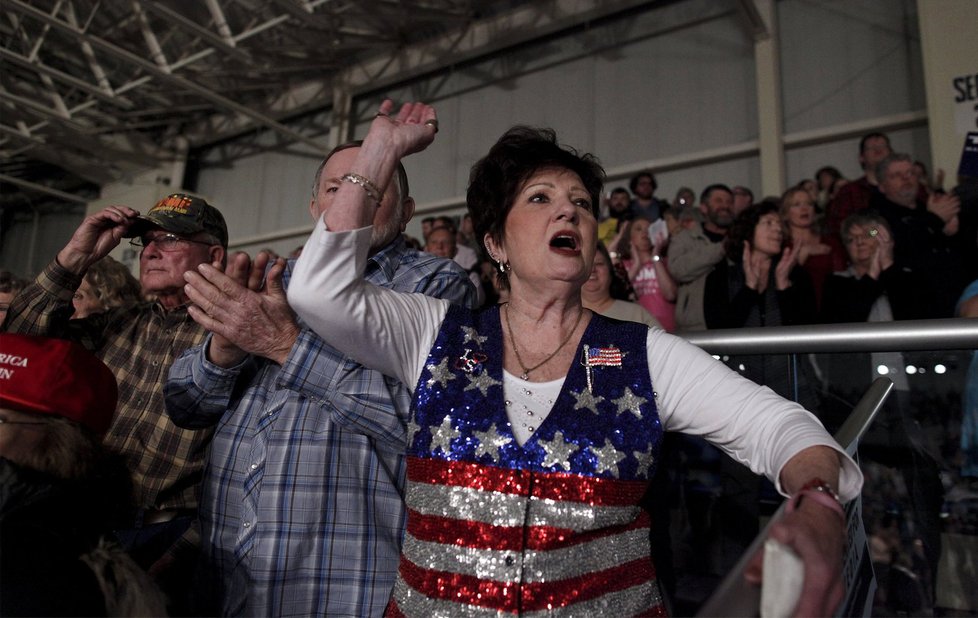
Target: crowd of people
471 420
709 256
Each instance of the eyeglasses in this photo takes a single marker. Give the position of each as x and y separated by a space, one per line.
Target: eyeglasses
166 242
6 421
855 235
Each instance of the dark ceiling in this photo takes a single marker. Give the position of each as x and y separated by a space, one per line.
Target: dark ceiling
92 92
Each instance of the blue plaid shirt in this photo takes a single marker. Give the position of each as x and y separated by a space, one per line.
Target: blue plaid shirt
302 508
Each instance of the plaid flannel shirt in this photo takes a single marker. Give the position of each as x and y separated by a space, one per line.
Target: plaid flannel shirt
138 344
302 502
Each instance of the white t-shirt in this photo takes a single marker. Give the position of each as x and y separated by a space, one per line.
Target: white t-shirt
393 332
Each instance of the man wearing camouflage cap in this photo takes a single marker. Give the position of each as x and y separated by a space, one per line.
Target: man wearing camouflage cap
138 344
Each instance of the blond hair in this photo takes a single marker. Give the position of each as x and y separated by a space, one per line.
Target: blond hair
113 285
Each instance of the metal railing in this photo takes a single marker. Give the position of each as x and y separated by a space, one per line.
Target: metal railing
734 596
949 334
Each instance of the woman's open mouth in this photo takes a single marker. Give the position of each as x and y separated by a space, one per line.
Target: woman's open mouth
566 242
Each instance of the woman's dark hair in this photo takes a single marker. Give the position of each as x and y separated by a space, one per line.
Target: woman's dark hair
521 152
625 246
831 171
620 288
742 229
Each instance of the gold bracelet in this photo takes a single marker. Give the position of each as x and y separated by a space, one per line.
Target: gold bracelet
372 191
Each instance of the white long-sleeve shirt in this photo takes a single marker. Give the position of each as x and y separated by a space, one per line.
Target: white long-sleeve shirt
393 332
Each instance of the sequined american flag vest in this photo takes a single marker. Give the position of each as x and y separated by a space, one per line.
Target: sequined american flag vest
550 527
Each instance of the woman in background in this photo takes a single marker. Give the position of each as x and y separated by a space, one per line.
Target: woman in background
820 255
107 284
646 265
606 294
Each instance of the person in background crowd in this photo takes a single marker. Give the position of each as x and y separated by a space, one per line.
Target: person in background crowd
466 235
811 187
874 288
694 252
619 213
478 458
426 224
760 268
684 197
10 285
465 257
760 284
645 203
441 243
605 293
856 195
178 234
743 198
825 181
925 230
647 269
302 502
60 491
108 284
820 255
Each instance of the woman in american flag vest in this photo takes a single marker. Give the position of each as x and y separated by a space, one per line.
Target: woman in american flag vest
535 425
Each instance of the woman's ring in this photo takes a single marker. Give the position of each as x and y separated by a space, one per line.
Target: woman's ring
432 123
382 115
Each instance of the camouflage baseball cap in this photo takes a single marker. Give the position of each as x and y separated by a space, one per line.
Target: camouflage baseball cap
183 214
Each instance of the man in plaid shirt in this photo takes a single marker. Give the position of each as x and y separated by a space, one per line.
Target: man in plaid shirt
302 508
138 344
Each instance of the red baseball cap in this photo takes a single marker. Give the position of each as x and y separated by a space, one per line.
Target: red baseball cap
55 376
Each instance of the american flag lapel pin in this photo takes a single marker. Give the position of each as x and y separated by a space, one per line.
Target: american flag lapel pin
600 357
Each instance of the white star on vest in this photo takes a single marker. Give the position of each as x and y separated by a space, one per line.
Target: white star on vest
629 402
608 458
558 452
490 442
483 382
442 436
645 460
440 373
586 399
472 334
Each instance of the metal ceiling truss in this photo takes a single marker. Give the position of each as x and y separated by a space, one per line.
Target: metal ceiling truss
95 92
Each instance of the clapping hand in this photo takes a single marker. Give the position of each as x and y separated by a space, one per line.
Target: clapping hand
882 255
757 267
244 316
946 206
782 272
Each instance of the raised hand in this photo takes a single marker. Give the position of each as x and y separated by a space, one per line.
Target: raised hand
97 235
946 206
782 272
410 130
244 317
756 269
883 254
390 138
807 250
